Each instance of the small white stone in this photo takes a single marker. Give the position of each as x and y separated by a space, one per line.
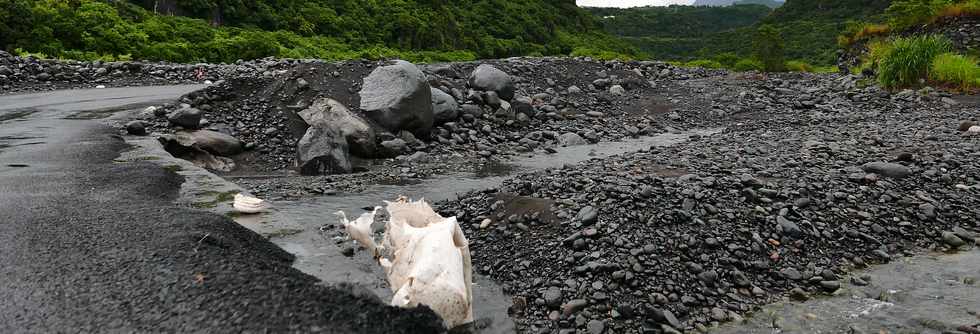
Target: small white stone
974 129
100 87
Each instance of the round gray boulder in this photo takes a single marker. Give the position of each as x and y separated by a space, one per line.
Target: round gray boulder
444 107
488 78
187 117
398 97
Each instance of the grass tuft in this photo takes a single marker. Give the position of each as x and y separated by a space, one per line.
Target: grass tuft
954 69
909 59
798 66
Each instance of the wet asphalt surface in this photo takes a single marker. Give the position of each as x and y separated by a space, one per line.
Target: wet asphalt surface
88 244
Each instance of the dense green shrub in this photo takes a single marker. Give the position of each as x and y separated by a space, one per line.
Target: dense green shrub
726 59
769 48
957 70
908 59
749 64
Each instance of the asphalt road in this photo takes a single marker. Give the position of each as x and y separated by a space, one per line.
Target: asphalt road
92 245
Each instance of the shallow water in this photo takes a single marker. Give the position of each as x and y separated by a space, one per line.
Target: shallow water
933 293
318 254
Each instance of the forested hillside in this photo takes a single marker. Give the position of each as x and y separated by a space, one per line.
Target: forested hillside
809 28
770 3
217 30
676 32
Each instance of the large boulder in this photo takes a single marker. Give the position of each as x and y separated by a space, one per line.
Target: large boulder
360 136
187 117
398 97
323 150
215 142
488 78
444 107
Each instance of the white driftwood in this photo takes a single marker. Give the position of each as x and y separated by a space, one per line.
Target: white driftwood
249 205
427 261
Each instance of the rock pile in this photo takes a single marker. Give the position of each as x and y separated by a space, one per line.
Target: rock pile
487 109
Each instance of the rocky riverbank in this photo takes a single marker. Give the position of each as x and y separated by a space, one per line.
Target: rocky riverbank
812 177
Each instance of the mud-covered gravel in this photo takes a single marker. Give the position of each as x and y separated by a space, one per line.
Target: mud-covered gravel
812 176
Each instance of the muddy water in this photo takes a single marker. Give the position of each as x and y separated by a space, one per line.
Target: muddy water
319 254
935 293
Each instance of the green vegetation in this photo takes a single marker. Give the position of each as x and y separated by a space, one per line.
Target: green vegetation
799 66
904 61
749 65
767 3
704 63
677 21
225 31
769 48
960 71
809 28
676 32
904 14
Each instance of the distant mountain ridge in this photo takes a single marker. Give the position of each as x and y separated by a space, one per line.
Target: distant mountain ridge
722 3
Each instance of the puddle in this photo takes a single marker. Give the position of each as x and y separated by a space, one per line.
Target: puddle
935 293
16 114
318 254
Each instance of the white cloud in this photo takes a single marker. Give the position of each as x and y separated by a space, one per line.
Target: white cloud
630 3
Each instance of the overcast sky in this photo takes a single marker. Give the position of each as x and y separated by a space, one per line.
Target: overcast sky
630 3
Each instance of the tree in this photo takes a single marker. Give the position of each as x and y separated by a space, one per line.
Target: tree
769 48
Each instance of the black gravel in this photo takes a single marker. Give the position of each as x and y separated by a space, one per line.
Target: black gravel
813 175
92 245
